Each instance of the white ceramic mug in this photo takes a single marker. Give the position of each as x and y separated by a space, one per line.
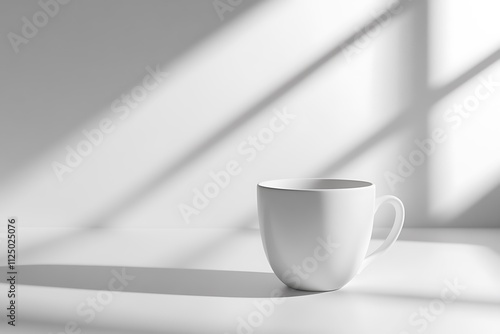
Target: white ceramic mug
316 232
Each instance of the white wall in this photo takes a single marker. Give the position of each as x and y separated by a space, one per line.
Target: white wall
360 101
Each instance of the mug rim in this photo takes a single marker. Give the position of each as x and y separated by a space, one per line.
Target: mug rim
342 184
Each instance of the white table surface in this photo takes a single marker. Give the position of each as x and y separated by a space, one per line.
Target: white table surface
209 280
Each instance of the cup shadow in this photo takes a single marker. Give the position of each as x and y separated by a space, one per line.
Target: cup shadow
173 281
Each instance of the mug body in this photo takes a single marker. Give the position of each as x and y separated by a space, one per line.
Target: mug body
316 232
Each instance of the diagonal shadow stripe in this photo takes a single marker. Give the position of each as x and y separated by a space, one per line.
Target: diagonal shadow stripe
408 115
467 75
170 38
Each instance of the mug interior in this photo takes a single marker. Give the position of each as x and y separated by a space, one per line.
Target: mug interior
313 184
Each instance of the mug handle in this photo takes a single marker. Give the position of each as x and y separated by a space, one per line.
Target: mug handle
395 231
